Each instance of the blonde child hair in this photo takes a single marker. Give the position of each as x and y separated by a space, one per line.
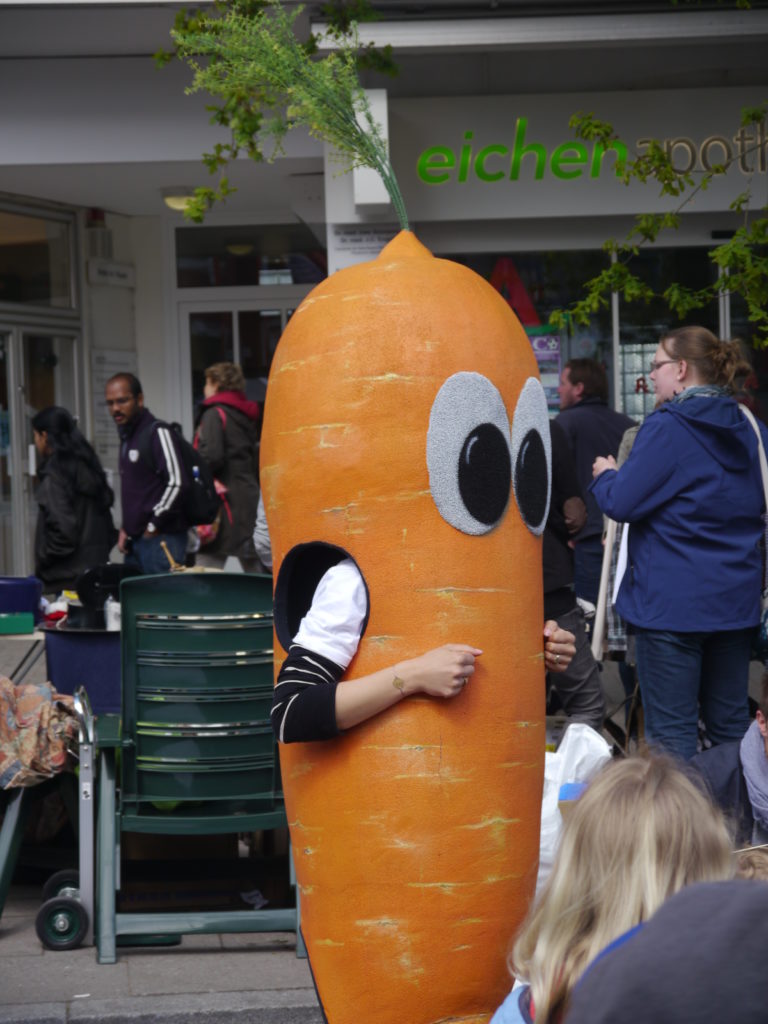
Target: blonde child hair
752 863
639 833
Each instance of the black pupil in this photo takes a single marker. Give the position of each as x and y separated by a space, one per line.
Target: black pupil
531 478
485 473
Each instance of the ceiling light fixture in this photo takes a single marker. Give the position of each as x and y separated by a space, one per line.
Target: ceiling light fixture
177 197
239 248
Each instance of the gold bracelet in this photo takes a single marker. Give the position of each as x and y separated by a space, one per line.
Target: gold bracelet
399 684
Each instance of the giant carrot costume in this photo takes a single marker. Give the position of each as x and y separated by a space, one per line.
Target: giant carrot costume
405 427
404 424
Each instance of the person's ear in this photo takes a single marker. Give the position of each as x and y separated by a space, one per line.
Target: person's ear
762 724
682 369
579 389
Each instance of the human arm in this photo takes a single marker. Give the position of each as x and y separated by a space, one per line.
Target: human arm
60 531
312 701
567 512
574 514
261 540
559 647
168 466
211 442
442 672
603 463
648 478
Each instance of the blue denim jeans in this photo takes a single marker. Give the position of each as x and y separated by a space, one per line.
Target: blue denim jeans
148 556
680 671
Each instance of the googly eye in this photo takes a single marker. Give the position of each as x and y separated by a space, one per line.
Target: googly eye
532 456
468 453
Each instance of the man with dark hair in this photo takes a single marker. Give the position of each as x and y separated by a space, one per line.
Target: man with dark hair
151 480
592 429
578 687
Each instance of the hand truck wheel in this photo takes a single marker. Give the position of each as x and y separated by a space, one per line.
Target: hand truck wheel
63 883
61 923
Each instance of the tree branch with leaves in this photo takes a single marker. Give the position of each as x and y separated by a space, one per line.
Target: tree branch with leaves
248 56
741 262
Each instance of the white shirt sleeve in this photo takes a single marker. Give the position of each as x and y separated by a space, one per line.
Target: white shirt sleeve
333 625
261 536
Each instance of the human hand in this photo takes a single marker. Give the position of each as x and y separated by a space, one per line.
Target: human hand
559 647
603 462
574 514
442 672
122 541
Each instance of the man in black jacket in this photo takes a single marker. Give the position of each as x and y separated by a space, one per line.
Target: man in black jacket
592 429
152 480
578 687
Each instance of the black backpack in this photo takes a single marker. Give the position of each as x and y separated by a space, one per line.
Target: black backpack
198 500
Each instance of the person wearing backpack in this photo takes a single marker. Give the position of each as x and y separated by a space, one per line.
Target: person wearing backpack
153 480
227 436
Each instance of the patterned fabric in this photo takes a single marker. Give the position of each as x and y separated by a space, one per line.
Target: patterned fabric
701 391
755 766
38 728
304 699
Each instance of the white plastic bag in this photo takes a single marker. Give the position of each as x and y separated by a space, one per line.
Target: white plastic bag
580 754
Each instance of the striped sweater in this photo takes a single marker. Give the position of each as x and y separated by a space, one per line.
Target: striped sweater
304 700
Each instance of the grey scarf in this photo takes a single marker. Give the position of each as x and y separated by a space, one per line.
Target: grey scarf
702 391
754 763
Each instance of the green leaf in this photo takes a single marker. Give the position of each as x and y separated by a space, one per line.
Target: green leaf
212 41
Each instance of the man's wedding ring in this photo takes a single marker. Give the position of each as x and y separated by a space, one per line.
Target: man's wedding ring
557 659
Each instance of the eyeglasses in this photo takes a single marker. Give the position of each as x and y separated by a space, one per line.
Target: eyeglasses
656 363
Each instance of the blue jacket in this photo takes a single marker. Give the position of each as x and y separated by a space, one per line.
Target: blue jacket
515 1009
692 492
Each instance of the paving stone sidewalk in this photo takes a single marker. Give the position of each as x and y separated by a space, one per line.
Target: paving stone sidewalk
216 979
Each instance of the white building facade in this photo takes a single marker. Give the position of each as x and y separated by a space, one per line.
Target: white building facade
98 275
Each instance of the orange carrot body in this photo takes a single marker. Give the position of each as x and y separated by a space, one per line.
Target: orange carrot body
415 835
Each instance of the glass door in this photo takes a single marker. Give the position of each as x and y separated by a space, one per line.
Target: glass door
37 369
7 562
244 332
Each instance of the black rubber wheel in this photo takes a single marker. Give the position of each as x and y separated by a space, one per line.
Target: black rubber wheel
63 883
61 923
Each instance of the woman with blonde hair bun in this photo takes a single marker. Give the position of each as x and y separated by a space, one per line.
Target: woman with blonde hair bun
692 494
640 832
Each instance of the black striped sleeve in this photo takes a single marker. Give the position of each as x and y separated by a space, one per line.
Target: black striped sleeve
304 700
172 472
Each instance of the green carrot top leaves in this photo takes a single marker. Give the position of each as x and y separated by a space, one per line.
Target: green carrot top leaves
260 55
